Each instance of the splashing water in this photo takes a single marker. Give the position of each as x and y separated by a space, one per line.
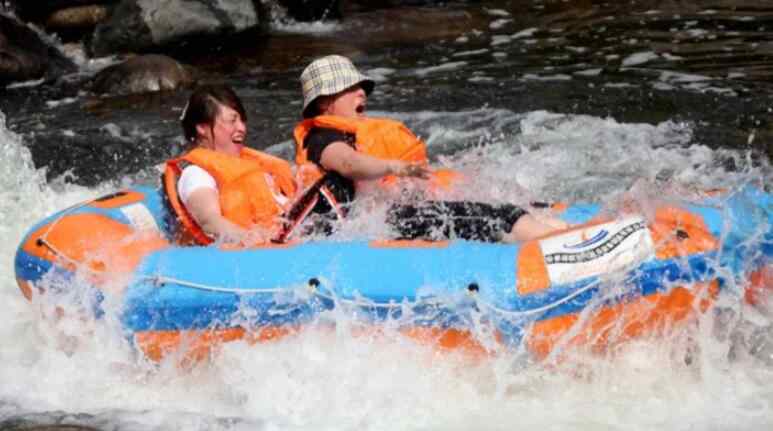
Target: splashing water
325 378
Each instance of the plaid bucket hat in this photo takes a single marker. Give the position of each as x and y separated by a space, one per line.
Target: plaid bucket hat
330 75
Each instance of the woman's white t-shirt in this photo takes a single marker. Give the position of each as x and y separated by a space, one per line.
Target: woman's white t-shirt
194 178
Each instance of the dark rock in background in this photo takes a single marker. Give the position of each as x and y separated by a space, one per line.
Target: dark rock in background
142 74
146 25
38 10
78 22
24 55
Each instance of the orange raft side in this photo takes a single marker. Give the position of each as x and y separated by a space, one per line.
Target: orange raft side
93 242
190 347
675 233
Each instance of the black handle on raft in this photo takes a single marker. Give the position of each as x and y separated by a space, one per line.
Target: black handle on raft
540 204
293 216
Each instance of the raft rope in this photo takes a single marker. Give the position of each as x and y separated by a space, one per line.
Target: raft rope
42 241
314 287
313 284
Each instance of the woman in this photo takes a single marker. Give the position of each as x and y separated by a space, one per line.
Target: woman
345 145
221 190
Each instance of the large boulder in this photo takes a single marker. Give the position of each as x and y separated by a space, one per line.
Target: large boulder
38 10
76 17
142 74
142 25
24 55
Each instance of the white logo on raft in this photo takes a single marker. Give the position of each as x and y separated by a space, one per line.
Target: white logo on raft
596 250
140 217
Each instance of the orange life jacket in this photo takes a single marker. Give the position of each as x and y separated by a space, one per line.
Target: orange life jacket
378 137
253 188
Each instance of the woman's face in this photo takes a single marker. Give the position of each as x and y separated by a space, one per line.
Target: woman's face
348 103
226 134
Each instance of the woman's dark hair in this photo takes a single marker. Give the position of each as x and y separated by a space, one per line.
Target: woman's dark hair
203 107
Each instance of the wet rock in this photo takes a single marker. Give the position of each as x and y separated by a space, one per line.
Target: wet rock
38 10
25 56
75 18
141 25
396 3
8 6
143 74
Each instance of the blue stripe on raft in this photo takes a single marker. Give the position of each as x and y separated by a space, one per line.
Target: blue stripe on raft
355 270
350 269
29 267
580 213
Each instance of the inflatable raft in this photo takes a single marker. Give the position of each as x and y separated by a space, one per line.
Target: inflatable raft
601 281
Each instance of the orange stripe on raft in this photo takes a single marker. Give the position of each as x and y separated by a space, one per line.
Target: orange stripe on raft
26 288
532 273
119 199
621 322
95 240
449 339
195 346
677 232
760 286
414 243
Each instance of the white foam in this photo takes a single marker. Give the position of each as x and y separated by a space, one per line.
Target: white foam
577 49
499 40
671 57
668 76
445 67
528 32
60 102
556 77
470 53
696 33
380 74
497 12
639 58
23 84
620 85
497 24
589 72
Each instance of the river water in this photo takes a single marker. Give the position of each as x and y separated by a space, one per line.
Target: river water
545 100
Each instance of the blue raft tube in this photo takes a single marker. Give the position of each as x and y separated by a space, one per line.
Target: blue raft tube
665 269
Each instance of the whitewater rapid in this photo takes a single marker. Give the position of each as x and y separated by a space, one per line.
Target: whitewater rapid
54 369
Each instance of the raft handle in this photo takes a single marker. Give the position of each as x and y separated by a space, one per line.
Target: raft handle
110 196
40 242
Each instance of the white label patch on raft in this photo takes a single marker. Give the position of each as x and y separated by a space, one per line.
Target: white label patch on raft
140 217
596 250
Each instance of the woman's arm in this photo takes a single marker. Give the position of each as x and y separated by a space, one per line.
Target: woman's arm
204 205
342 158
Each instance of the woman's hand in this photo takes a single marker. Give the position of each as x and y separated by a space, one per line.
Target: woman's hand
406 169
